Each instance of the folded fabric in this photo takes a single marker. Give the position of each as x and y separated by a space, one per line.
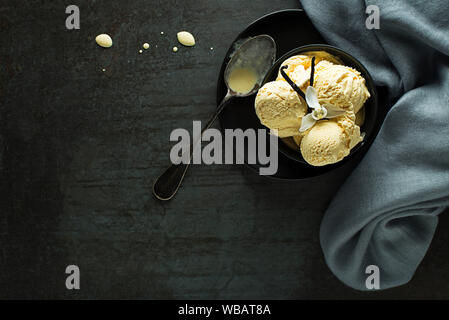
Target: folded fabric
385 214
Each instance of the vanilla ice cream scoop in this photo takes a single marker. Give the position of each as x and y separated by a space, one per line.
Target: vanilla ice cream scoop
329 141
298 67
297 70
280 108
340 86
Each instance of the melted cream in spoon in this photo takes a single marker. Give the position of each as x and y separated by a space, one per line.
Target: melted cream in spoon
242 80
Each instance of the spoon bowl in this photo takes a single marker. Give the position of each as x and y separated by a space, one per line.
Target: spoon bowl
257 55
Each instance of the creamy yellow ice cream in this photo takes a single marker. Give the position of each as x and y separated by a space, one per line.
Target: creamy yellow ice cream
280 108
329 141
297 70
341 86
299 66
351 130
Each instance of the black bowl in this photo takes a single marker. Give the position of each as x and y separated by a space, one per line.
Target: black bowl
368 127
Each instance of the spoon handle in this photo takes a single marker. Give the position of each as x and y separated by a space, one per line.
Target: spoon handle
168 183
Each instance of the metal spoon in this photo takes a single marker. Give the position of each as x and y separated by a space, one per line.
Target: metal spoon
256 54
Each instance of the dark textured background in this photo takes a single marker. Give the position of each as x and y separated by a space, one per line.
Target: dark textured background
79 150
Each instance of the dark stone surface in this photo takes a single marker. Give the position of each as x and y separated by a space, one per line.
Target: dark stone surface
79 149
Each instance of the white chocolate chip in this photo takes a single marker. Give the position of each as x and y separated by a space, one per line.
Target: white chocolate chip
146 46
175 49
186 38
104 40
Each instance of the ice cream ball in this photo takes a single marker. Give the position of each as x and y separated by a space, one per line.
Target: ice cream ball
329 141
280 108
298 70
341 86
299 66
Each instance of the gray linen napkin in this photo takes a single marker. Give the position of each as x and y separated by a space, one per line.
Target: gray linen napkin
385 214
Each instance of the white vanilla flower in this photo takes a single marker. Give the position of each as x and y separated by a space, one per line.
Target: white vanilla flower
318 111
